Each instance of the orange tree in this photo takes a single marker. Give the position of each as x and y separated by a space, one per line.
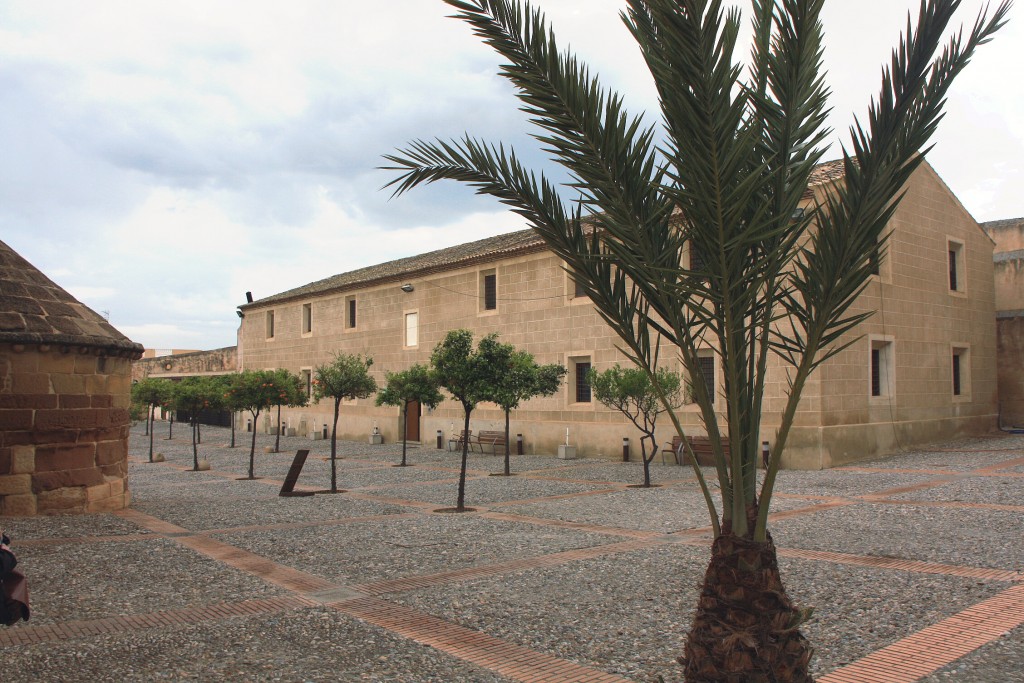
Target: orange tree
725 172
516 377
417 384
253 391
151 393
347 376
194 395
290 393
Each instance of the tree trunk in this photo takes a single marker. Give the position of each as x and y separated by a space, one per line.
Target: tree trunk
195 450
746 629
150 425
232 428
460 503
170 427
149 420
252 449
334 447
647 462
508 471
405 428
277 439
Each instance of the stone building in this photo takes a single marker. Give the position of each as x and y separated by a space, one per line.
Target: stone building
923 368
187 364
64 393
1009 277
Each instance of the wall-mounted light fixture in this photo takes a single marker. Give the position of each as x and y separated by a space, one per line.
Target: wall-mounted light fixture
407 287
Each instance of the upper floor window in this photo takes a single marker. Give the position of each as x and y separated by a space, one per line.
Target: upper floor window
957 270
350 312
411 329
307 318
270 324
489 290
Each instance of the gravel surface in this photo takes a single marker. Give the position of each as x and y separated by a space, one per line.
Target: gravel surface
621 612
369 551
68 583
302 645
988 490
960 536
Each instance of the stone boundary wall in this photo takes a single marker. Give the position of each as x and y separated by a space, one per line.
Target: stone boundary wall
63 429
1010 334
216 362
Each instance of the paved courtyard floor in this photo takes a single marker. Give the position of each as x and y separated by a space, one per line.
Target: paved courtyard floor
562 573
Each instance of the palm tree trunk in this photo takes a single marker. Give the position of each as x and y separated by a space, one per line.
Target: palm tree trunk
745 622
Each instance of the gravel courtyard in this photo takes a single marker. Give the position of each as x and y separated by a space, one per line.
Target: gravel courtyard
564 568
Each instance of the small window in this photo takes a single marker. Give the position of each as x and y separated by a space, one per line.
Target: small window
307 318
578 290
350 312
307 381
411 329
577 386
697 260
270 324
961 372
875 260
706 364
489 290
881 368
582 385
955 260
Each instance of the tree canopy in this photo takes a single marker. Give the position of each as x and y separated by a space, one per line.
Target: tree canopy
416 384
346 377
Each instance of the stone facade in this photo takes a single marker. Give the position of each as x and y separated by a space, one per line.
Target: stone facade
1009 278
397 312
64 394
187 364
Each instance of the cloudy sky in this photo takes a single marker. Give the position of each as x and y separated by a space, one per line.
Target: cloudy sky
159 159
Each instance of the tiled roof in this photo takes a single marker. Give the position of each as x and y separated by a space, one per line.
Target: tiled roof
1000 225
35 310
1016 255
488 249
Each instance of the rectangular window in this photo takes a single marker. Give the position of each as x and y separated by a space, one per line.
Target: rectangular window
350 312
697 260
489 290
961 372
706 363
411 329
875 260
881 372
956 374
307 381
270 324
582 368
955 258
578 290
307 318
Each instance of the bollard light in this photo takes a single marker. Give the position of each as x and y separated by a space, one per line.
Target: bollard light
765 455
625 449
519 444
440 439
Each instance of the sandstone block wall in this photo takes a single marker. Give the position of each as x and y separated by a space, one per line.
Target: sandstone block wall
63 430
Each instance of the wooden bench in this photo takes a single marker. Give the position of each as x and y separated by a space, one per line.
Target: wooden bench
701 446
494 440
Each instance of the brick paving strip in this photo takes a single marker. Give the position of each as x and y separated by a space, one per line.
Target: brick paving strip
938 645
514 661
179 617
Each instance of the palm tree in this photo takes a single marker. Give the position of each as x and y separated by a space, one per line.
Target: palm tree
726 174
